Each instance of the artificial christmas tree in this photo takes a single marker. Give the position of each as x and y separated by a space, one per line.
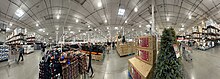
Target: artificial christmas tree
168 66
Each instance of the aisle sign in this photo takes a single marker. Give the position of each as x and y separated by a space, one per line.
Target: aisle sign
177 51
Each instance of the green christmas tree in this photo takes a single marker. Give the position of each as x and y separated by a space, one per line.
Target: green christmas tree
167 65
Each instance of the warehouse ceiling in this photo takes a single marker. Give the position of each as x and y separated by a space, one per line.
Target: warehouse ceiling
105 17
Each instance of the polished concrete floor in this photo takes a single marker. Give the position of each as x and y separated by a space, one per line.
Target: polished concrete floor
205 65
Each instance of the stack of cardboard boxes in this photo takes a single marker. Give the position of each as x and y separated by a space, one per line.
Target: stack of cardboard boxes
141 66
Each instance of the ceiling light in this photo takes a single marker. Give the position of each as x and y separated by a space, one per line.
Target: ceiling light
58 16
40 30
121 27
99 4
168 19
148 26
107 27
77 20
8 29
10 24
69 29
190 16
57 28
79 30
182 25
95 29
19 12
105 21
88 26
37 24
121 11
71 32
181 28
135 9
150 22
47 34
132 29
139 25
116 28
126 21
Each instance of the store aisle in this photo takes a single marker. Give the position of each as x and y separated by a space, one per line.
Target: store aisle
28 69
113 67
205 64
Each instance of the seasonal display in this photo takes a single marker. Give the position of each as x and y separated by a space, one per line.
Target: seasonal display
167 62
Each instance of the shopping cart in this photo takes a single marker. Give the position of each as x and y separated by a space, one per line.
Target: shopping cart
12 56
187 51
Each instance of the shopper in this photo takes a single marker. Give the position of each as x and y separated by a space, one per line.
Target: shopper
43 46
113 45
21 52
90 59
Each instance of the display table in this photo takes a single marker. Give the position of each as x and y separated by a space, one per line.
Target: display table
141 67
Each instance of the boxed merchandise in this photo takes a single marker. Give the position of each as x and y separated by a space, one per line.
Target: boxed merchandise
139 69
147 42
147 56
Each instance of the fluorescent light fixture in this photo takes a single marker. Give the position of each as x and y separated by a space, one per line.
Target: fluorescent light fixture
10 24
135 9
108 31
19 12
139 25
105 21
182 25
148 26
71 32
121 11
116 28
168 19
151 22
77 20
59 12
99 4
190 16
181 28
58 16
88 26
37 24
126 21
84 33
8 29
40 30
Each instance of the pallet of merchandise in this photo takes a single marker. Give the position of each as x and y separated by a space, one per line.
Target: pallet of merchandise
139 69
98 57
124 50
